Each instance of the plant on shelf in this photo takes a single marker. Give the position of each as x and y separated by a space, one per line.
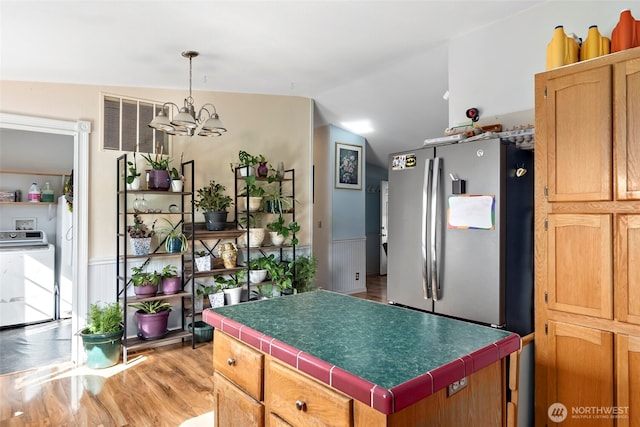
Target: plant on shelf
257 269
153 318
159 162
231 286
256 233
158 176
246 160
275 202
176 241
280 273
213 202
305 268
145 283
215 294
252 188
102 336
133 172
140 235
171 281
263 291
280 228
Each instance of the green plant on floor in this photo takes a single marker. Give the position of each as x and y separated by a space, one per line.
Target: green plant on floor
305 268
151 307
104 318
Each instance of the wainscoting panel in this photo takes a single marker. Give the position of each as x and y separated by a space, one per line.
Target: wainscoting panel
348 266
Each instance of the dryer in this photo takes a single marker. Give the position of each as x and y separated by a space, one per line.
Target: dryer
27 278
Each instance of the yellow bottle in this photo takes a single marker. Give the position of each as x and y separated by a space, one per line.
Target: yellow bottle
595 45
561 50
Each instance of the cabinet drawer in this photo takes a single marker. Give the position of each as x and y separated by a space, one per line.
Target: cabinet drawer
233 406
240 363
301 401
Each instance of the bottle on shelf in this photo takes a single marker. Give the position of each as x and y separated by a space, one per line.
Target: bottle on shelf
47 193
34 193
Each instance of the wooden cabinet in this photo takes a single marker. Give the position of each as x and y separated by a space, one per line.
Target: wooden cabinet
627 374
588 239
234 407
301 401
580 254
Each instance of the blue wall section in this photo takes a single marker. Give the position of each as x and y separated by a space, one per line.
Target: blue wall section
348 206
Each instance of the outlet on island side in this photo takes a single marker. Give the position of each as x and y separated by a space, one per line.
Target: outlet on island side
357 276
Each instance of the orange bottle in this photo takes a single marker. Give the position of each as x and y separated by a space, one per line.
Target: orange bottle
561 50
595 45
626 34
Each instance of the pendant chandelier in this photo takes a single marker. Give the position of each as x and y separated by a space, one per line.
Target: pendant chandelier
186 122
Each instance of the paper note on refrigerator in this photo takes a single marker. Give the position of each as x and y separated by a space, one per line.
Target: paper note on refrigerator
471 211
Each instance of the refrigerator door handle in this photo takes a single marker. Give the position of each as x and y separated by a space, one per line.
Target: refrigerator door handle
433 241
426 238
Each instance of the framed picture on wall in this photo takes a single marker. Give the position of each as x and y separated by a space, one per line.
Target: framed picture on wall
348 166
24 223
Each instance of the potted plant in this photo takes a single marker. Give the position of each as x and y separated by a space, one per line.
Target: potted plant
144 284
176 241
133 177
213 201
263 291
257 269
247 163
177 180
152 317
279 231
231 286
140 235
203 261
102 336
171 281
158 175
254 193
280 273
275 202
256 234
305 268
215 293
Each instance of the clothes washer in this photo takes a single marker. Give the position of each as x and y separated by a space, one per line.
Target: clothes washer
27 278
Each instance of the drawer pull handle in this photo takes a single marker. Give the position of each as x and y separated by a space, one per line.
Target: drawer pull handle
300 405
231 361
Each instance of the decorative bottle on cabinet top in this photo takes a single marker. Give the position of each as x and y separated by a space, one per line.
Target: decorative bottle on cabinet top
626 34
595 45
562 49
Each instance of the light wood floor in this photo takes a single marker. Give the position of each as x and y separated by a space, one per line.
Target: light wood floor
159 387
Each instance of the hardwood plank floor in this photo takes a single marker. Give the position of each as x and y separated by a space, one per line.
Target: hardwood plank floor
164 386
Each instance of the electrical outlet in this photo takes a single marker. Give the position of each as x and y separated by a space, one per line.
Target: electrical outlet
456 386
357 276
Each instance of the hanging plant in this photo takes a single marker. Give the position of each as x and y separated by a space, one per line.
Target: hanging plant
68 192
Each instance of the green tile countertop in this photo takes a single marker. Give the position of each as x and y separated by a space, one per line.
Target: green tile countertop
385 356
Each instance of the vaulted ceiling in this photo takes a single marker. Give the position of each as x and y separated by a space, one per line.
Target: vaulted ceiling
382 61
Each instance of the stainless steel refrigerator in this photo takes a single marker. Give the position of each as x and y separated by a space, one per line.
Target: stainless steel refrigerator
460 232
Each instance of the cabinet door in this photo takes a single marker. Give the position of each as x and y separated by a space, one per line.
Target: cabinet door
580 375
627 129
233 406
240 363
580 264
628 386
627 300
576 115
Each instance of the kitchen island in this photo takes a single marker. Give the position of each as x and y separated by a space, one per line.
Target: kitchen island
322 358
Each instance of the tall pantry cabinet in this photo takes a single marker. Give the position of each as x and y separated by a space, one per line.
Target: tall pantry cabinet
587 248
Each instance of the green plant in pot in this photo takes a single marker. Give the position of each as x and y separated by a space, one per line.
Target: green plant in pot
213 202
274 201
133 176
175 241
279 231
247 163
171 281
280 273
305 268
256 233
232 286
159 172
251 195
102 336
145 284
152 317
140 235
258 269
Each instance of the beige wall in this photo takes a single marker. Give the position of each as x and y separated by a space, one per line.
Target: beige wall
279 127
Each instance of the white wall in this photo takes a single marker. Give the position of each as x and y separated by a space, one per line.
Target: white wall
493 68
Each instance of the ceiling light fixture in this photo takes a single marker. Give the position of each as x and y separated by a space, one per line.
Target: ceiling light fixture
186 121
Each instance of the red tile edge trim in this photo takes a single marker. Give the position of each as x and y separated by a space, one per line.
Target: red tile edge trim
379 398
